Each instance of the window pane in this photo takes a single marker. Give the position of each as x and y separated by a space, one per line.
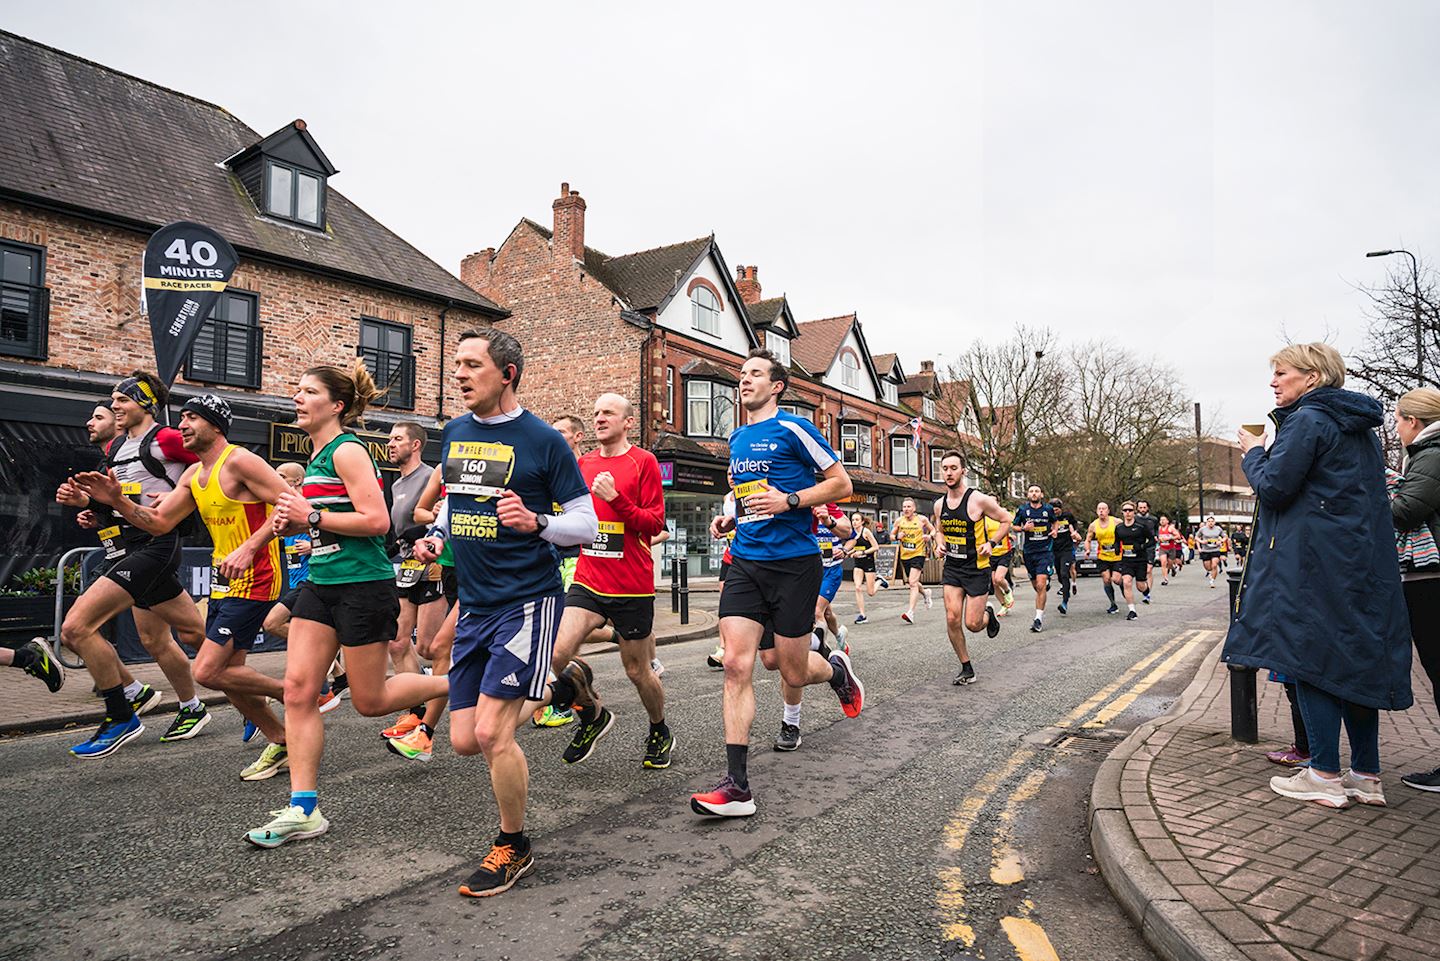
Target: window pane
237 309
307 206
18 267
724 411
279 197
369 335
697 417
202 353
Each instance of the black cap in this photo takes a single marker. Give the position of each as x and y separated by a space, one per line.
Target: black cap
213 409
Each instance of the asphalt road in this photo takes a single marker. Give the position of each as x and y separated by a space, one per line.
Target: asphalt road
944 822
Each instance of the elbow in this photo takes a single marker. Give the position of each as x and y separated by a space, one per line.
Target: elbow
377 526
847 487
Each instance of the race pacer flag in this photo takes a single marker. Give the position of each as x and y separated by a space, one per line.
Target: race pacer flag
187 267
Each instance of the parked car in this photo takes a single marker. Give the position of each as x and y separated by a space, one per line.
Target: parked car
1086 562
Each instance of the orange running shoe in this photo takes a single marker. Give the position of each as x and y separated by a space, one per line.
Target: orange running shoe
415 746
408 722
329 701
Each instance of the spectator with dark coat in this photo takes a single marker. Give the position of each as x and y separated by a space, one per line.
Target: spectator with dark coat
1416 511
1320 600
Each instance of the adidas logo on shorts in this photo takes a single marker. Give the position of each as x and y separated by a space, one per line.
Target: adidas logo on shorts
510 680
123 573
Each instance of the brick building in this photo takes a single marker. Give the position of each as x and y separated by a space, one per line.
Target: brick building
93 162
669 328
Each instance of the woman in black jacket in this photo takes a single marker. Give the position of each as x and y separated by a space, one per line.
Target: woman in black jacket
1337 627
1416 507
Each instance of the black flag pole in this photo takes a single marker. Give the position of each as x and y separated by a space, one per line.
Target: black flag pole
187 267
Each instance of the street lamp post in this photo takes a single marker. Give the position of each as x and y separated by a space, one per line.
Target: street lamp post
1419 328
1199 465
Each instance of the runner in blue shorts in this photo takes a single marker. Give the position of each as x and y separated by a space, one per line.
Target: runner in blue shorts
1036 520
505 470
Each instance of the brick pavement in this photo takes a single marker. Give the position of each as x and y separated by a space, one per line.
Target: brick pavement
1275 878
26 705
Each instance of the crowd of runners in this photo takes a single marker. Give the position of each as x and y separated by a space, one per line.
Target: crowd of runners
469 588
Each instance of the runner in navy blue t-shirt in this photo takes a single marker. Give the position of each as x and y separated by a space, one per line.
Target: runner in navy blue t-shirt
775 572
504 471
1035 520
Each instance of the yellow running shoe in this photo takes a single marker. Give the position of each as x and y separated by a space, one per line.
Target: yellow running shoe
547 716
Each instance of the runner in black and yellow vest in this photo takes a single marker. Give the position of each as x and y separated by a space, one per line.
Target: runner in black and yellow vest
861 545
1101 534
233 490
963 516
350 598
914 534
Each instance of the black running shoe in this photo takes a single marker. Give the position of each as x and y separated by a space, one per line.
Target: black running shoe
580 675
1036 627
146 699
582 745
1131 616
966 675
789 737
188 723
657 750
1064 608
992 623
45 666
1145 599
1114 609
502 867
1423 780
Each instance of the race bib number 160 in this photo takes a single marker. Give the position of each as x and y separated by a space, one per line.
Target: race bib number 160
478 469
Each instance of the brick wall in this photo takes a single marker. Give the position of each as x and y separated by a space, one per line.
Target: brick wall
94 272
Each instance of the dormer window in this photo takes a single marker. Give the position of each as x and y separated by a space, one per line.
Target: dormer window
705 311
779 346
849 369
293 194
927 407
889 392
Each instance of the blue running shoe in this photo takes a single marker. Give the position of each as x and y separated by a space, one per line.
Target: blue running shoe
108 738
249 732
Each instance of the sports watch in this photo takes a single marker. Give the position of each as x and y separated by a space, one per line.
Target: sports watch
314 519
542 521
792 500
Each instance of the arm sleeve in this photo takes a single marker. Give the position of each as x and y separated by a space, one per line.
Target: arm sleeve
576 526
1417 499
647 515
172 446
1277 475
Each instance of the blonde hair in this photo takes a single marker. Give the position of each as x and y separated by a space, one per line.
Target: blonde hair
1423 404
1315 358
354 388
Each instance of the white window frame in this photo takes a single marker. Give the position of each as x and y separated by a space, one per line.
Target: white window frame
779 345
705 311
889 392
861 432
707 392
927 408
906 464
849 370
669 410
937 454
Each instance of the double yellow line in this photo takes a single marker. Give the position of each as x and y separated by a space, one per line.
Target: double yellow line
1006 867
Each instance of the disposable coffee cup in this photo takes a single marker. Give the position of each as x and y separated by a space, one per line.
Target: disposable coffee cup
1257 429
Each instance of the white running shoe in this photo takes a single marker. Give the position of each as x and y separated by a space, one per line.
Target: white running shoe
929 600
1306 785
1363 789
657 667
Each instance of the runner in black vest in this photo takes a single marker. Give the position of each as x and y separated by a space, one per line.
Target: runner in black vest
961 541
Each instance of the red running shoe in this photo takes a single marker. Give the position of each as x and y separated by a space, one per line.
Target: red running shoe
728 800
849 689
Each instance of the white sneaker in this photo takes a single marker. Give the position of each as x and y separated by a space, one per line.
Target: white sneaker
1306 785
840 639
1363 789
657 667
929 601
907 617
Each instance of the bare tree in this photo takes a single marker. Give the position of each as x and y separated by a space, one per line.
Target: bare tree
1386 360
1002 398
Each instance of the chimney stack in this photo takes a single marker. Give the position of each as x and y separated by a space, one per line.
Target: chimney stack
475 271
927 366
747 284
569 240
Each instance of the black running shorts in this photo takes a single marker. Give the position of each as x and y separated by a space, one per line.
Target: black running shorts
973 581
1209 555
288 599
1137 568
1107 565
451 584
422 593
365 612
147 571
633 617
908 564
865 563
781 593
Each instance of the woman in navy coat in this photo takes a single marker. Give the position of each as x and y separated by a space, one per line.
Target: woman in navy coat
1321 601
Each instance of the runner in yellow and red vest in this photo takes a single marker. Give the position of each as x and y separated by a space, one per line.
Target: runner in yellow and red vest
914 534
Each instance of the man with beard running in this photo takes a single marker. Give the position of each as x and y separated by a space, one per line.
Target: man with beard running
1036 520
1133 541
776 573
961 520
1066 537
233 490
1151 523
140 574
1210 544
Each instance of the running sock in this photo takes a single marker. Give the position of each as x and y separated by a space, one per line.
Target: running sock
1132 608
190 705
1110 592
1039 614
659 727
132 690
305 801
429 731
965 666
24 657
837 674
586 714
517 840
418 711
117 704
737 757
817 638
792 714
562 693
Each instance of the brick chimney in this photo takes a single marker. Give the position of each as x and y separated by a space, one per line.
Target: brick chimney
569 238
747 284
927 366
475 271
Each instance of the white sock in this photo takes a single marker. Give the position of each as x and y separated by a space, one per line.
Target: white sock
1039 614
191 704
132 690
792 714
1132 607
817 637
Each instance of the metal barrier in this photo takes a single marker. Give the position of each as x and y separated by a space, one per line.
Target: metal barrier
60 652
1244 702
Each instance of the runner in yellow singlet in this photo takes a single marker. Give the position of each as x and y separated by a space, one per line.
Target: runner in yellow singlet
1000 562
913 533
1101 533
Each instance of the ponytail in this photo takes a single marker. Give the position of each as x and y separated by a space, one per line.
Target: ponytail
354 389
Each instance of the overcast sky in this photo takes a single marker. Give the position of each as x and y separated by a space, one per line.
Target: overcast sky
1192 180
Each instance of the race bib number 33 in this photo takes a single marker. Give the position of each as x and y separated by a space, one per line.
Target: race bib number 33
478 469
609 540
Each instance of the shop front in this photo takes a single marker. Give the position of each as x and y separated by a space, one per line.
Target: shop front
694 495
